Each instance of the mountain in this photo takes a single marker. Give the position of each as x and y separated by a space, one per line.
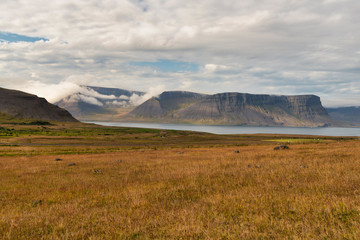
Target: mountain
348 115
99 103
25 105
233 109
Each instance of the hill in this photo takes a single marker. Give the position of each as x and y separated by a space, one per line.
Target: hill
24 105
234 109
347 115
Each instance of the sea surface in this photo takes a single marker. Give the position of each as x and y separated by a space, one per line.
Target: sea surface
321 131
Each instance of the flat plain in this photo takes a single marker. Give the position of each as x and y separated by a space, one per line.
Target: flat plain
78 181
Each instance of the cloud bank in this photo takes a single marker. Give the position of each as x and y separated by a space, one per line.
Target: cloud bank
73 92
275 47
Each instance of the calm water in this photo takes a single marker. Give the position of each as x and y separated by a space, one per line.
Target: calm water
329 131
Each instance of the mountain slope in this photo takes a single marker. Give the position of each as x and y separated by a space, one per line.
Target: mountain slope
348 115
24 105
234 109
166 104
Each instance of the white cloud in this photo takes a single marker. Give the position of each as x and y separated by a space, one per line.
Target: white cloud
152 92
90 100
123 97
55 92
93 93
119 103
186 85
285 47
52 92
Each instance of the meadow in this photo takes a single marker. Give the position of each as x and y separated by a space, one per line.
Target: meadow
81 181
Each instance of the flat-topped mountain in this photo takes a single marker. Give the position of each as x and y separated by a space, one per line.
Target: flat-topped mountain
234 109
25 105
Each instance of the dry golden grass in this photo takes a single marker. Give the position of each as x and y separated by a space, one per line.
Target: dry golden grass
311 191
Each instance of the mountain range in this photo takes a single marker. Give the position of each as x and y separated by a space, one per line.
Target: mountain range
113 104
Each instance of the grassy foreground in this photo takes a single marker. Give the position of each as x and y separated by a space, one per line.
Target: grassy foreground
121 183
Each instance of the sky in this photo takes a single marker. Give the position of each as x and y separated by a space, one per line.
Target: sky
282 47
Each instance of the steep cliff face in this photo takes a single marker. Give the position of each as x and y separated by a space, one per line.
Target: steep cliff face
306 106
236 109
24 105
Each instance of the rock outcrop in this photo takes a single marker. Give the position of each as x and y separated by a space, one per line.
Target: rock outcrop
24 105
234 109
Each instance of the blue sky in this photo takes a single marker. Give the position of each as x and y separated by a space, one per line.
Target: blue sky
13 37
260 47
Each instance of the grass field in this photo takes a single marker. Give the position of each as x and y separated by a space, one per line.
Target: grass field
122 183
